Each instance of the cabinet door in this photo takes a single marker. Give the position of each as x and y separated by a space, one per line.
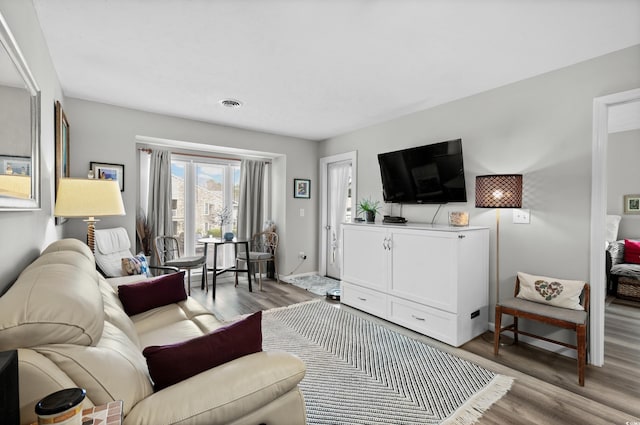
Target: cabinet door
365 256
425 268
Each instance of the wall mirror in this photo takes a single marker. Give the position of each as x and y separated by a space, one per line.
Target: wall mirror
19 128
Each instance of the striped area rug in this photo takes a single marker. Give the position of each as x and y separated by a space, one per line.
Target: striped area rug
359 372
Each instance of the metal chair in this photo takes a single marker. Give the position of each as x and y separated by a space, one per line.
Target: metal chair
167 251
263 249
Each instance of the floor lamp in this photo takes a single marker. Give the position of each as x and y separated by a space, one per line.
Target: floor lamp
498 191
88 198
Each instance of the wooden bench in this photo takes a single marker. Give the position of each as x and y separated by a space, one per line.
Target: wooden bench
575 320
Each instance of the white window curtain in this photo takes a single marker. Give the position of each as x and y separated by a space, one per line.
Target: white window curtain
338 176
159 202
251 204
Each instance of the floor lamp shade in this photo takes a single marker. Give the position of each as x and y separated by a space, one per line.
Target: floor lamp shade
499 191
88 198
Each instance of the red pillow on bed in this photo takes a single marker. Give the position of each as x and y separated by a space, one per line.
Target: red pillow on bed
631 251
169 364
152 293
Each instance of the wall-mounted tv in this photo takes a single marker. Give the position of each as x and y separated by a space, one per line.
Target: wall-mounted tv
430 174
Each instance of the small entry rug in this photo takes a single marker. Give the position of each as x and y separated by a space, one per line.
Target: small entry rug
359 372
315 284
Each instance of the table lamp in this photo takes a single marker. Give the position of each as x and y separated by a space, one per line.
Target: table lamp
88 198
499 191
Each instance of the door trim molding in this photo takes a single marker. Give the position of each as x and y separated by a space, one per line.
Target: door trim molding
324 164
601 107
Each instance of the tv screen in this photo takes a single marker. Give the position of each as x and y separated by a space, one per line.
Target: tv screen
430 174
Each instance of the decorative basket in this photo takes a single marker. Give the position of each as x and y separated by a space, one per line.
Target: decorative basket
629 288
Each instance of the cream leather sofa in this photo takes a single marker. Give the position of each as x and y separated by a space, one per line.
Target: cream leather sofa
70 330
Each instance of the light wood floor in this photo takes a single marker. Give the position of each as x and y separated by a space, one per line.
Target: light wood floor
545 390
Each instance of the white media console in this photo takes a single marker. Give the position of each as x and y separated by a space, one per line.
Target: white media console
428 278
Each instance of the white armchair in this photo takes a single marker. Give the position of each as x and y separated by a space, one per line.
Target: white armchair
112 245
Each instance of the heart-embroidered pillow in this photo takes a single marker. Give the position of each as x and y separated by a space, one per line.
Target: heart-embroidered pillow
549 290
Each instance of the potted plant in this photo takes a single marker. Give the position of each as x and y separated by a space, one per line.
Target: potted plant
370 208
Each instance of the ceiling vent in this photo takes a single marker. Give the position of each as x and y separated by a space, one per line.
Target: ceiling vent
231 103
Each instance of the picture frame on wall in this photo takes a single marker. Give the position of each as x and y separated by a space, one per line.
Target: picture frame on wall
302 188
632 204
104 170
62 149
15 165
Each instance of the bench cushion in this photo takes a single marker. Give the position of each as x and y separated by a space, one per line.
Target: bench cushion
568 315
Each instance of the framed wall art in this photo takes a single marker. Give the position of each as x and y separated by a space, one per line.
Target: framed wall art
103 170
302 188
15 165
62 149
632 204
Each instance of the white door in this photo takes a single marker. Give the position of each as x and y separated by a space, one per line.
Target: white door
338 212
338 188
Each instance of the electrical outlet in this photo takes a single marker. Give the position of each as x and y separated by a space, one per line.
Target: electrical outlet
302 255
521 216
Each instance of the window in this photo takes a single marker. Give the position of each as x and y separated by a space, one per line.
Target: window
206 193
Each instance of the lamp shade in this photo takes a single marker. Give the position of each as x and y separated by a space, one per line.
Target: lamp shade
499 191
88 198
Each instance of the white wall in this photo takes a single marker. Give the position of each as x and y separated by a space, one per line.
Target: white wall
106 133
623 178
540 127
25 234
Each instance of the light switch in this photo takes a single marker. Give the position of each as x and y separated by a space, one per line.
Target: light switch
521 216
301 212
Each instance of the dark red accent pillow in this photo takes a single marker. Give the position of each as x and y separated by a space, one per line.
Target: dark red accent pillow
148 294
631 251
169 364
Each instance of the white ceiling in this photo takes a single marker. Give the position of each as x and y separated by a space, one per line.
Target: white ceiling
317 68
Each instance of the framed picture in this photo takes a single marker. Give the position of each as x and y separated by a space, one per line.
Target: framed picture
62 149
302 188
632 204
15 165
103 170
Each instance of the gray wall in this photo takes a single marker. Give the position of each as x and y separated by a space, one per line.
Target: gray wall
25 234
105 133
623 178
540 127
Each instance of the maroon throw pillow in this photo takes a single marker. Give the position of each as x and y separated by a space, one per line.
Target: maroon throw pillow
631 251
169 364
148 294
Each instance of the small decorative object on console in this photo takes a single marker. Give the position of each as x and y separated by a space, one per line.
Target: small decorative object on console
458 218
229 236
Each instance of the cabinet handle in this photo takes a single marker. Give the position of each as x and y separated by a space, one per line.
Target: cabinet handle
362 299
461 236
422 319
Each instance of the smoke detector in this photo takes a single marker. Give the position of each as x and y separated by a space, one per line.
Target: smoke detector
231 103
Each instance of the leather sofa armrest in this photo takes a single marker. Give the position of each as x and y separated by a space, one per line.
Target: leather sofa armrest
224 393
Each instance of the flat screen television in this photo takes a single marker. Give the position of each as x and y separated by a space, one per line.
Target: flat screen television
430 174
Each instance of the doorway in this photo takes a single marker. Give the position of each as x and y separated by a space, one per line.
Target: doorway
338 193
601 109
